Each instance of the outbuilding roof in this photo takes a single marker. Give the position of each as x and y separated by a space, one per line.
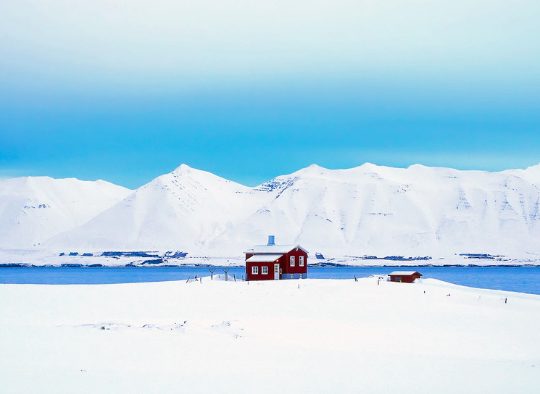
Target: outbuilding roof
263 258
404 273
272 249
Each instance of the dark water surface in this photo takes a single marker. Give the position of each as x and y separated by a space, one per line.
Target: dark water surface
520 279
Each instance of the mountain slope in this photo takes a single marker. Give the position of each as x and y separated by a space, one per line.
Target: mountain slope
531 174
33 209
418 210
183 209
359 211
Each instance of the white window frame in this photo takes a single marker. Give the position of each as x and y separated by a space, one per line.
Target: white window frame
292 261
254 270
301 261
264 270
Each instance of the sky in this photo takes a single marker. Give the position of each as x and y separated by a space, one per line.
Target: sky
128 90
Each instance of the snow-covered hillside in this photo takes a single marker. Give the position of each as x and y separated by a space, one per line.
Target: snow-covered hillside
531 174
33 209
184 209
418 210
367 210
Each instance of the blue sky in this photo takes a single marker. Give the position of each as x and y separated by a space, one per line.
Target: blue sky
126 91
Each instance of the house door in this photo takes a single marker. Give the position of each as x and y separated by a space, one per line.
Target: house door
276 271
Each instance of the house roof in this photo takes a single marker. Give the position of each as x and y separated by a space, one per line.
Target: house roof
271 249
263 258
404 273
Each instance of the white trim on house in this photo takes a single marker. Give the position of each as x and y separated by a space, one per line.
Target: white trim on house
264 270
264 258
255 270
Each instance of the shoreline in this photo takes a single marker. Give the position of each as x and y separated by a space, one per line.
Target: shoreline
206 265
156 258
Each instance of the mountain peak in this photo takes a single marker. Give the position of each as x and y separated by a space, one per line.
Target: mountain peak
312 169
368 166
535 167
315 168
182 169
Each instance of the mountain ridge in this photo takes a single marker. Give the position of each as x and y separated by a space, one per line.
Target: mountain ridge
369 209
33 209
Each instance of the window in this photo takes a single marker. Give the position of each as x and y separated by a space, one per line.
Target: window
264 270
293 261
301 261
254 270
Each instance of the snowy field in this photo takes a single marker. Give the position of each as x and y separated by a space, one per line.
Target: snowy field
323 336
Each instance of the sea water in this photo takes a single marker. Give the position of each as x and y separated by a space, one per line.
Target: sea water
521 279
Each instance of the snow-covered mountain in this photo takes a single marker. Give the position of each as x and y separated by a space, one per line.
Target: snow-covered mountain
414 211
184 209
359 211
34 209
531 174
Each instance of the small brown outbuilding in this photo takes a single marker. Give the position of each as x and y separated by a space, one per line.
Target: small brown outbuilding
404 276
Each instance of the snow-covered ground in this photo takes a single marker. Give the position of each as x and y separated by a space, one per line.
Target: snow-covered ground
323 336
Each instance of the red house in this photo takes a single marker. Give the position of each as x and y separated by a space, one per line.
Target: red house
404 276
274 262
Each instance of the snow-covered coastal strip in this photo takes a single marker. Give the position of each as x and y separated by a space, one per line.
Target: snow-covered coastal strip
163 258
292 336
